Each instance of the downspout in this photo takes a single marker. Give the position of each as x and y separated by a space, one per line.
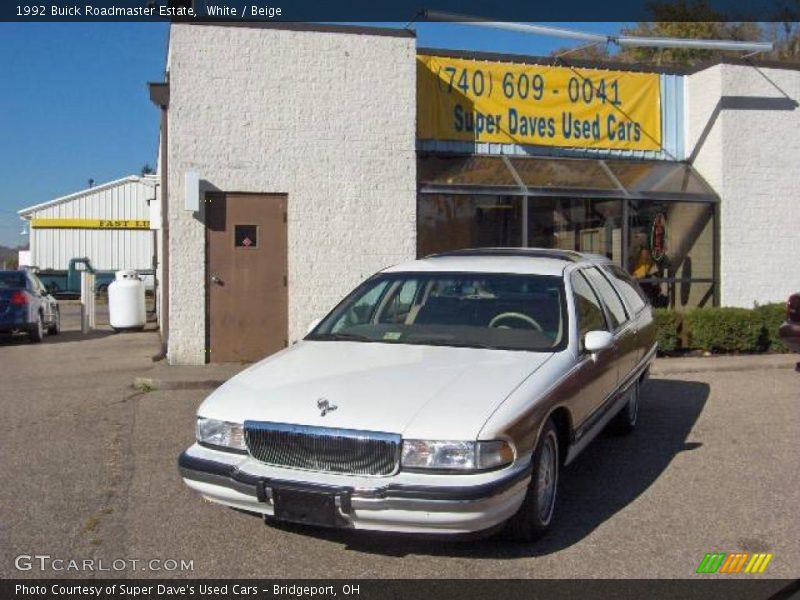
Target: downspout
159 95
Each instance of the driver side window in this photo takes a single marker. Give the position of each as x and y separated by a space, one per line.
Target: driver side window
399 302
39 285
588 310
35 286
361 312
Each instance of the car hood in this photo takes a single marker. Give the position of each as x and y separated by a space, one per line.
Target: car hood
428 392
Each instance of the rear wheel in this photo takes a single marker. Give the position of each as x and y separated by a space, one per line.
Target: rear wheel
536 513
55 327
626 419
37 331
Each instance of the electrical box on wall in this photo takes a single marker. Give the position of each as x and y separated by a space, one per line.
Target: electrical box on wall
154 209
192 191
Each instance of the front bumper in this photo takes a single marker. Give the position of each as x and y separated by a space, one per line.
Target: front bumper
461 504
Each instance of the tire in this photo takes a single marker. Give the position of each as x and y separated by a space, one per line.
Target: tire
55 328
535 515
37 331
625 421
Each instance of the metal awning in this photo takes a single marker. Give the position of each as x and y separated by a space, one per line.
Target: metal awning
548 176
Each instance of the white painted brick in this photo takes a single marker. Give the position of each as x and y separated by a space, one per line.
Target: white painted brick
751 159
329 119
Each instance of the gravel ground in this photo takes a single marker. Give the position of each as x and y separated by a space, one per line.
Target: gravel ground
89 471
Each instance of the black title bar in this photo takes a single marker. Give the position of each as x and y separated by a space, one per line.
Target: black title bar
732 588
402 11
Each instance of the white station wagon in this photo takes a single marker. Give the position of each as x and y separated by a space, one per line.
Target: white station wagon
441 396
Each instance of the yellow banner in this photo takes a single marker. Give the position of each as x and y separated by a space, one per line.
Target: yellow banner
89 224
511 103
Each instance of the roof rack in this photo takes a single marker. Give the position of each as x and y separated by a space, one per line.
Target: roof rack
567 255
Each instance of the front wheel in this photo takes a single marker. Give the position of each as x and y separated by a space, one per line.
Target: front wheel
536 513
55 327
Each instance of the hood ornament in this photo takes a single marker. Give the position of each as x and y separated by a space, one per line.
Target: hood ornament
325 406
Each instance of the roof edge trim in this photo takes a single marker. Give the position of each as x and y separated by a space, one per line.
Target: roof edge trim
26 212
300 26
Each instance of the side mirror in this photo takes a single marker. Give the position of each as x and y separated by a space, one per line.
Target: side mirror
312 325
597 341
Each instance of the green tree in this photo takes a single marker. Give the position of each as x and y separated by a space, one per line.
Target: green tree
688 19
147 170
786 38
697 19
594 52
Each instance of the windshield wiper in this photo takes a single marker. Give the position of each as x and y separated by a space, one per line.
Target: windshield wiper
452 344
341 336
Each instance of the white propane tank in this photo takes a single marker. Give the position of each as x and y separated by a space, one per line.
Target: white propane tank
126 301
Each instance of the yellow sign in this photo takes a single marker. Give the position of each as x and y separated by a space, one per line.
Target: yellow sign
89 224
511 103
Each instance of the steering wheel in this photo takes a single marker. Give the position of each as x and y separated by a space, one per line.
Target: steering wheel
514 315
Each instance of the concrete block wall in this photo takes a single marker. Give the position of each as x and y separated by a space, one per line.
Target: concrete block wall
750 157
327 118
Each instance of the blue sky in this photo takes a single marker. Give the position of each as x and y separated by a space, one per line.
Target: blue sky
74 103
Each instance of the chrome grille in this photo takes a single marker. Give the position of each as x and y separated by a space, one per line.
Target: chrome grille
323 449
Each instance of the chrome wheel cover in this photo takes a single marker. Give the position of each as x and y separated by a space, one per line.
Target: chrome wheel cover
548 478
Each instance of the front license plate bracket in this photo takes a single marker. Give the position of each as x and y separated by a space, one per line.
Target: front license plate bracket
309 506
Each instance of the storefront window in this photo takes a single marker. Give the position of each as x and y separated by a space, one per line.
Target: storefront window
453 221
658 177
576 224
671 252
653 219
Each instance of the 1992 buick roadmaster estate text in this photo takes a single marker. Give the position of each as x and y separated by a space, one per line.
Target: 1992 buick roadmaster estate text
441 396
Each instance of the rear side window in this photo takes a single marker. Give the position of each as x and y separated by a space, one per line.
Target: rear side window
588 310
11 280
608 295
627 286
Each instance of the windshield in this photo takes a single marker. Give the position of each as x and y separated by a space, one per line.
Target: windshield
483 310
12 280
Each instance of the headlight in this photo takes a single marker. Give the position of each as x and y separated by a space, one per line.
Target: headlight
222 434
456 456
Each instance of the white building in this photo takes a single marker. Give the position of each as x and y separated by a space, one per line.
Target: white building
325 153
107 223
24 259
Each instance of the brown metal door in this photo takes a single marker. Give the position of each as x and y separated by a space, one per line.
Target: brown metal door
246 256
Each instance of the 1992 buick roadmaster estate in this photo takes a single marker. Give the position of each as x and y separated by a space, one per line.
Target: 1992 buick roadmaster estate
441 396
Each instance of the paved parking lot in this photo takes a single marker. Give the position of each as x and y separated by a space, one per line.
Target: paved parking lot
89 471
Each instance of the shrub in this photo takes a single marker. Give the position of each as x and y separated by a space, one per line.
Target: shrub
668 323
771 317
725 329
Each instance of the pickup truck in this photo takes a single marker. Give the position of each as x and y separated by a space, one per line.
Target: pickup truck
26 306
67 284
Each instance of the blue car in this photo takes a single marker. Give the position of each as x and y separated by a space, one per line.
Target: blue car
26 306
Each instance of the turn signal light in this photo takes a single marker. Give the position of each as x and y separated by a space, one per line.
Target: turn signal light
19 298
